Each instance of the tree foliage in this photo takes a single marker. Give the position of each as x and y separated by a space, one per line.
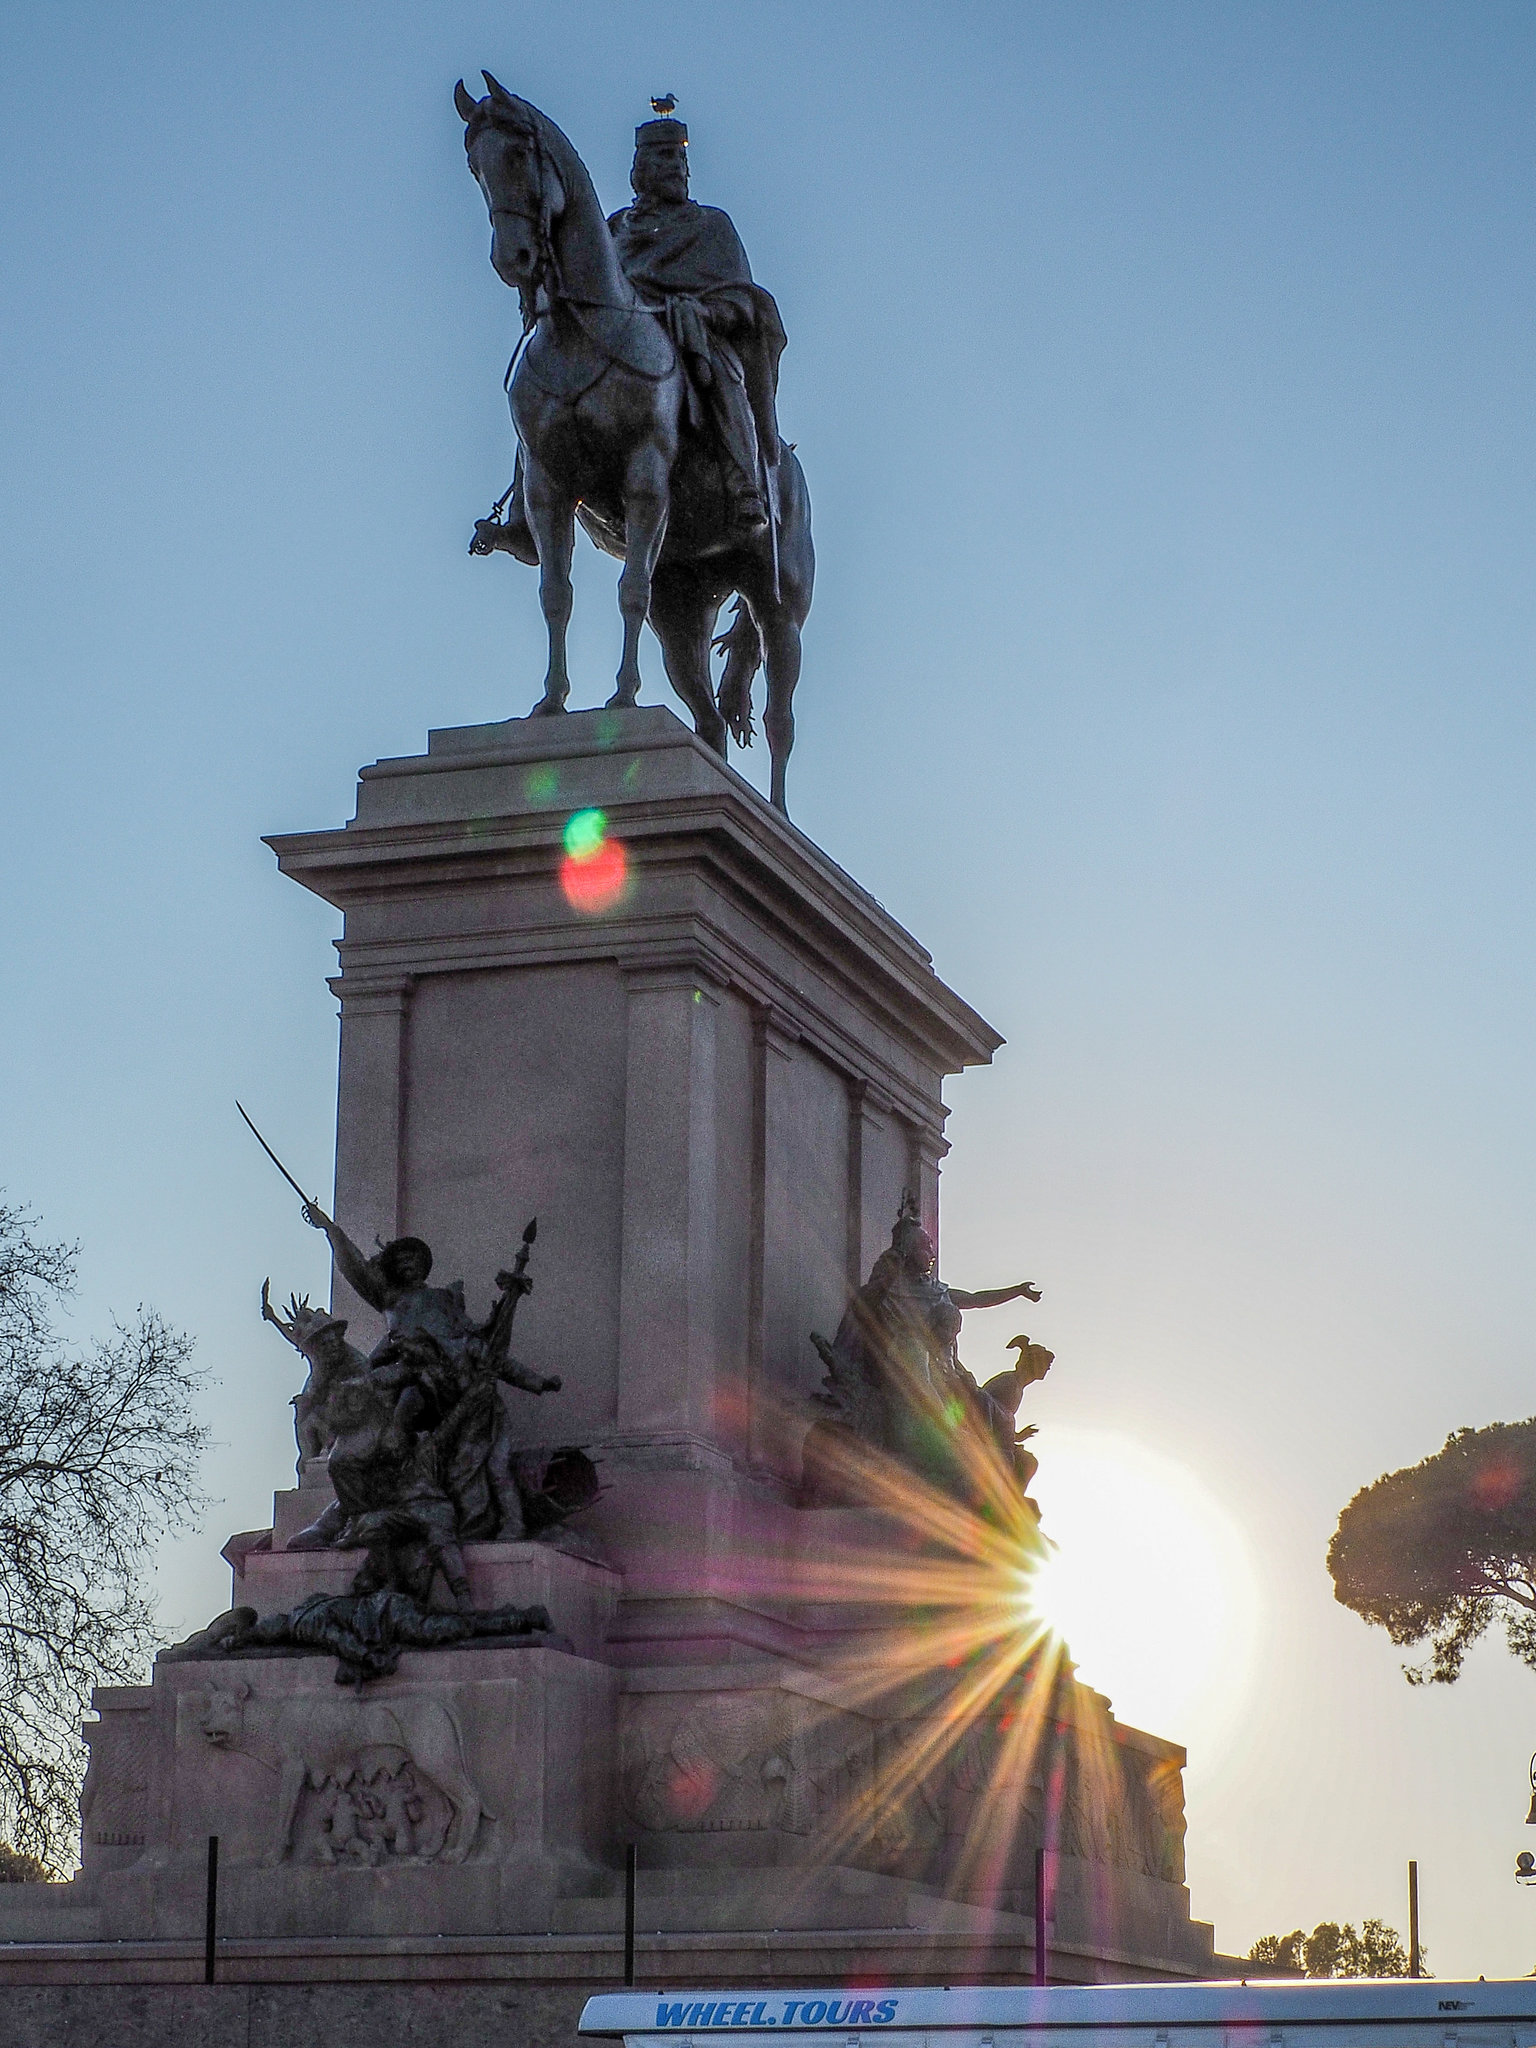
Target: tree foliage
1334 1951
98 1452
1438 1552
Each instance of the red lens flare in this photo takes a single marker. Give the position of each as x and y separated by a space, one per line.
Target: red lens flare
595 871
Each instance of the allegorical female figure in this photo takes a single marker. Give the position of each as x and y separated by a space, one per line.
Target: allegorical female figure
894 1375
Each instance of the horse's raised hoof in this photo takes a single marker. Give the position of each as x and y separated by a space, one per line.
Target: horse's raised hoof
547 706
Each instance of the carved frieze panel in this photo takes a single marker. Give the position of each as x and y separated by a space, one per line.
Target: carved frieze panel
928 1794
367 1781
115 1797
712 1763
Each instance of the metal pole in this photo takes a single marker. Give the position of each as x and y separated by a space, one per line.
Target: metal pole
1042 1952
211 1916
629 1914
1413 1921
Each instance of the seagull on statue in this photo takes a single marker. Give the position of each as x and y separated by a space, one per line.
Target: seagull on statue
665 104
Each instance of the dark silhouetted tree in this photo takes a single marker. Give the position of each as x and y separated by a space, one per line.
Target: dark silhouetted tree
98 1452
1334 1951
1285 1952
1440 1551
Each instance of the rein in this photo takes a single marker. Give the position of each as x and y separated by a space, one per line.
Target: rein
548 275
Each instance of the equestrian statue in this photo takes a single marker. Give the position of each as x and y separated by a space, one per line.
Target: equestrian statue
643 398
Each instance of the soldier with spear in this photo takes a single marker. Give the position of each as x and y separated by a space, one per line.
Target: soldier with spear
443 1368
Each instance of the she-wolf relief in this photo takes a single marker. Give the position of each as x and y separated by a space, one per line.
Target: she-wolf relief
897 1794
363 1782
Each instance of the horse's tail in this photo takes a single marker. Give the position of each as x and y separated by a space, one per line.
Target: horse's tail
743 644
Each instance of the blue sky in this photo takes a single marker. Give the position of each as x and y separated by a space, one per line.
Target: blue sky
1162 375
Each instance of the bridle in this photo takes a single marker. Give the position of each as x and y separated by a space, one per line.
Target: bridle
537 214
546 269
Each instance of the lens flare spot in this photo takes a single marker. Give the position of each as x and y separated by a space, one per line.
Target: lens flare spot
595 871
585 832
1495 1486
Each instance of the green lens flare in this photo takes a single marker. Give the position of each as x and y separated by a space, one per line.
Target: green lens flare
584 834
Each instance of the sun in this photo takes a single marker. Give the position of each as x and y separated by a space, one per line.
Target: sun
1151 1586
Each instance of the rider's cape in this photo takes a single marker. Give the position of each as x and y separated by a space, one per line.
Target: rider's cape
689 251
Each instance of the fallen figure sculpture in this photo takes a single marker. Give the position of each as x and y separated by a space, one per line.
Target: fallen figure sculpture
365 1632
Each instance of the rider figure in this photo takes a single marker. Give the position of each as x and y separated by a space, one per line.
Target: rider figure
687 263
687 260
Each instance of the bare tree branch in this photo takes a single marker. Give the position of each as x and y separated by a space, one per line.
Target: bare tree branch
98 1457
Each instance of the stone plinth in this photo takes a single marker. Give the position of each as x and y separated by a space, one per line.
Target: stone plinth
492 1765
712 1094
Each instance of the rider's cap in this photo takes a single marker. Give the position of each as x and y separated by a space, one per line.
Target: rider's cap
661 131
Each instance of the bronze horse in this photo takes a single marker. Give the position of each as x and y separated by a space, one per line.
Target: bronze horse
600 410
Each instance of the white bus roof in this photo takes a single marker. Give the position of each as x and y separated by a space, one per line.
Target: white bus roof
1442 2013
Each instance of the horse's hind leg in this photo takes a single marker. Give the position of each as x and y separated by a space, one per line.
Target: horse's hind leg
552 515
683 615
781 651
781 613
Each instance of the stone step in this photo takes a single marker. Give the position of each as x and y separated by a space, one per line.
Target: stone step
32 1920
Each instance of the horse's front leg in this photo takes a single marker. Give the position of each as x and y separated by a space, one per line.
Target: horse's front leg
646 502
552 516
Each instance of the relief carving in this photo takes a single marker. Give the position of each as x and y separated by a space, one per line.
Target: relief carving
1165 1822
358 1781
721 1763
115 1795
911 1794
892 1798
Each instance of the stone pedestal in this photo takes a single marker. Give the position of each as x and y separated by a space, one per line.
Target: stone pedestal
712 1092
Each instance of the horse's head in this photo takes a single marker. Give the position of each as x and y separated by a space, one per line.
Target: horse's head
513 168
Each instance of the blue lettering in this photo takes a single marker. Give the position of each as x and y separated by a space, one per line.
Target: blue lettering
789 2012
695 2016
885 2012
836 2018
757 2015
743 2014
813 2014
670 2016
859 2012
707 2016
